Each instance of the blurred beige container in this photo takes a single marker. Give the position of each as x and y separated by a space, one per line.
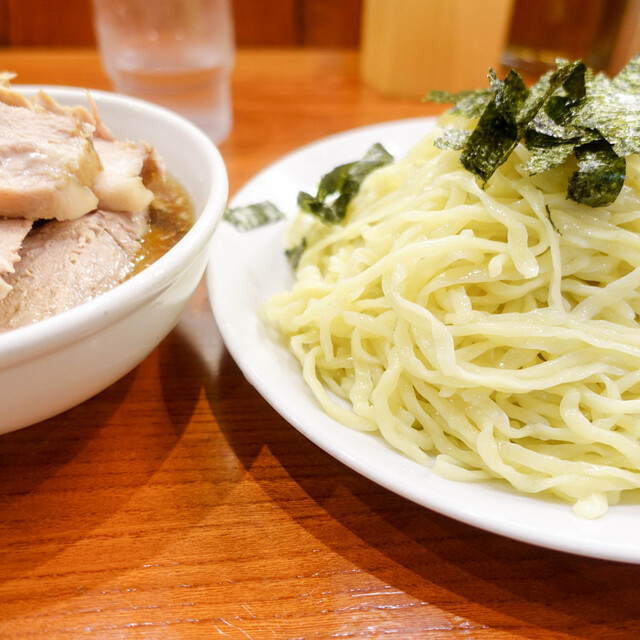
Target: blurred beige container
410 47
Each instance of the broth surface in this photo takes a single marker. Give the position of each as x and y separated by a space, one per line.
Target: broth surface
171 215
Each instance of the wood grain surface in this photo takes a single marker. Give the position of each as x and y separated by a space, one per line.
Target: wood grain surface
177 504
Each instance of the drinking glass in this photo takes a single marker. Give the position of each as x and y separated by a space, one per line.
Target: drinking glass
176 53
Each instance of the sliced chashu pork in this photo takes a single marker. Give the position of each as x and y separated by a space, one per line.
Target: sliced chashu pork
12 232
45 101
62 162
119 186
47 162
64 264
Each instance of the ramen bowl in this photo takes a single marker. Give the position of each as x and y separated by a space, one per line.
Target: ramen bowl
52 365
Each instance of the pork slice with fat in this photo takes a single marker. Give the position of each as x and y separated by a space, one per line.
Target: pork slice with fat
47 163
64 264
119 185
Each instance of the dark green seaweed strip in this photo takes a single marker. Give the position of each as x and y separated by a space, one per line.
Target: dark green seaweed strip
295 253
469 104
613 108
338 187
568 111
497 133
251 216
452 139
547 151
600 176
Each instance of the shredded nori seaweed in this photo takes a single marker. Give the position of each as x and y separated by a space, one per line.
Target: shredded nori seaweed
613 108
452 139
497 133
569 111
345 181
600 176
295 253
251 216
547 151
553 224
469 104
336 189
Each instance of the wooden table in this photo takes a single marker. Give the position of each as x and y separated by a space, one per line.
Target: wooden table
178 504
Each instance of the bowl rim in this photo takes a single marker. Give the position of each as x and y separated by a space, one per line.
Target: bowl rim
51 334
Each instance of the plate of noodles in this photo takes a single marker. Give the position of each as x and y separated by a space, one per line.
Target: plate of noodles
473 350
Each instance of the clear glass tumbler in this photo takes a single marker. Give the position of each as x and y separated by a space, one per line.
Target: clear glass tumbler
176 53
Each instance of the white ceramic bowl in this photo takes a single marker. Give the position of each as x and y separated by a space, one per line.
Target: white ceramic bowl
53 365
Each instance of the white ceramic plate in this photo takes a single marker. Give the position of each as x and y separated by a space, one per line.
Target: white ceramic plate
246 268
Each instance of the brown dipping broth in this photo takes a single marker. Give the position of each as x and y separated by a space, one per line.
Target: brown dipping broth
171 215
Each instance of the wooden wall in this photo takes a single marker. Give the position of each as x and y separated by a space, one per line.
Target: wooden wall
64 23
26 23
